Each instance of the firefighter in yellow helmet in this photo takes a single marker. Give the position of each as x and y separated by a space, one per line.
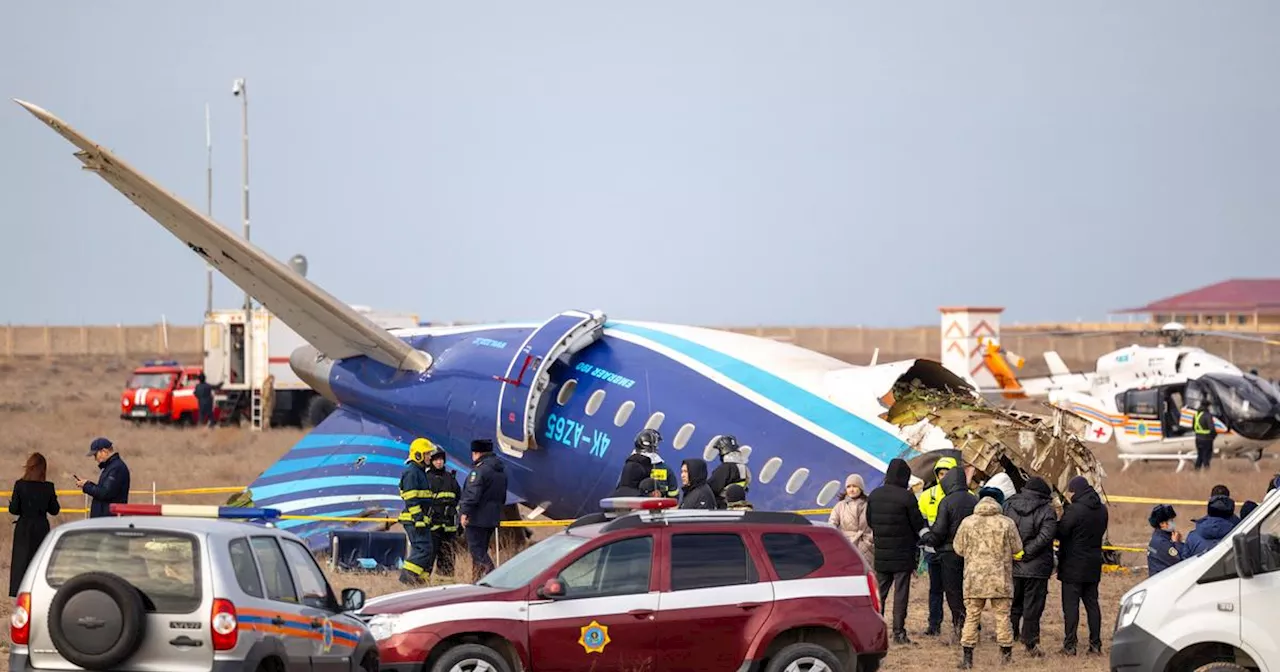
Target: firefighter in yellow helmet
418 497
928 502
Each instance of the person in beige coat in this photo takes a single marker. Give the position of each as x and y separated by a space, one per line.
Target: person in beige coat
988 541
850 515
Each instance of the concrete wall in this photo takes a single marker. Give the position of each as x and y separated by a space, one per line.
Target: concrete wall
126 340
852 344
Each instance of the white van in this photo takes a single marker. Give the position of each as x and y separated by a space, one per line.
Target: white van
1218 612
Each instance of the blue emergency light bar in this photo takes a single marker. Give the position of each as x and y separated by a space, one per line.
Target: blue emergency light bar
160 362
637 503
194 511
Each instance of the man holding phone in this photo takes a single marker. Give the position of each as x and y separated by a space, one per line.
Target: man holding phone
113 487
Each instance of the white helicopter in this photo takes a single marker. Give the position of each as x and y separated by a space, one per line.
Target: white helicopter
1146 397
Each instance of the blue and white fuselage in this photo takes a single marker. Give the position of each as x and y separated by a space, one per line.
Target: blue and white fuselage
789 407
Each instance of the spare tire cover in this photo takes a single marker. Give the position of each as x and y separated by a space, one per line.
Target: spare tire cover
97 620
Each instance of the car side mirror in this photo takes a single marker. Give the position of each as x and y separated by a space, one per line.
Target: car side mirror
352 599
552 589
1247 556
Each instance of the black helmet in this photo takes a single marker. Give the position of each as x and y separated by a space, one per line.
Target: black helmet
726 444
438 452
647 441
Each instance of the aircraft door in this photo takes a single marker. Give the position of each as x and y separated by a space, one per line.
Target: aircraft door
1171 405
528 373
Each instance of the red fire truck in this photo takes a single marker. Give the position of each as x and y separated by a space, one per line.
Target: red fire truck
161 391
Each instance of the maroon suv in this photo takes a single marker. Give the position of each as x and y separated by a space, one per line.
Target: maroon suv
650 590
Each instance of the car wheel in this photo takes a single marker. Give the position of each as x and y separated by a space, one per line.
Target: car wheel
1221 667
471 658
97 620
370 663
804 658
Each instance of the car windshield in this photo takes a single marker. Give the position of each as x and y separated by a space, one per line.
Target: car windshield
520 570
158 381
164 566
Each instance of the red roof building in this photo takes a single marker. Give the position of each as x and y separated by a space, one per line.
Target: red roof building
1238 303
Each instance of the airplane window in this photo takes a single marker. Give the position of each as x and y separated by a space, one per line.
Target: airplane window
797 479
770 469
682 436
828 491
566 391
655 420
624 413
746 452
709 453
593 404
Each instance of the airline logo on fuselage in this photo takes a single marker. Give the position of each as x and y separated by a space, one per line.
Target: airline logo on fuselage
602 374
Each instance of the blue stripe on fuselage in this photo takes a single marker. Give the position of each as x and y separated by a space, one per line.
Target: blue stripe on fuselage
815 409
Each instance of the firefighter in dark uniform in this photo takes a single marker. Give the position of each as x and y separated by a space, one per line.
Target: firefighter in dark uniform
444 512
664 477
416 492
204 400
1206 432
732 470
480 506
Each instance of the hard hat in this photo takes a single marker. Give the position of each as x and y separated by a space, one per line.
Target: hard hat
945 462
647 440
437 451
419 449
727 444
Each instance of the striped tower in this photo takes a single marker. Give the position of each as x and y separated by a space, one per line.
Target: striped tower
962 329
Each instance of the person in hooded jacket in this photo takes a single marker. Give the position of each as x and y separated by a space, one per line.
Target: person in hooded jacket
988 541
1212 528
957 505
696 493
896 527
1032 513
733 469
850 515
929 501
1166 548
1080 533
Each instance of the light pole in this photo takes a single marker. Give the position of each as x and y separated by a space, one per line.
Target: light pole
208 268
238 89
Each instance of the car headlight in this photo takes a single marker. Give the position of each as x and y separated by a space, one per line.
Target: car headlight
1129 610
382 626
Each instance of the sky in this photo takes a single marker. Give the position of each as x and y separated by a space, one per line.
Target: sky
728 162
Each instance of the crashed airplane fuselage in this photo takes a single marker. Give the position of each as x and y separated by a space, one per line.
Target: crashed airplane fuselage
563 399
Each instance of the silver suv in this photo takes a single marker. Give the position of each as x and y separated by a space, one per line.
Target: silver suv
176 594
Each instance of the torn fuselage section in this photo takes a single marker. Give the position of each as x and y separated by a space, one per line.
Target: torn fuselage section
994 440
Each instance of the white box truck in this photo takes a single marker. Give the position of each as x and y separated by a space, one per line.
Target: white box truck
273 341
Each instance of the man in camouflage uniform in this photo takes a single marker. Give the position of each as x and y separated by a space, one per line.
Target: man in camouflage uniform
988 541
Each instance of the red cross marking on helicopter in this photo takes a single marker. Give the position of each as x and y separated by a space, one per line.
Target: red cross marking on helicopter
1099 432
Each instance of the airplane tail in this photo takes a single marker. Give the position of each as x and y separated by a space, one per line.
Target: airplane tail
1057 367
348 466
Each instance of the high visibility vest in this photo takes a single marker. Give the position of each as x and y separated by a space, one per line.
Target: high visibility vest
1198 426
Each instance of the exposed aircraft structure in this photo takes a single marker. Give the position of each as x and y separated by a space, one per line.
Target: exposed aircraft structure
563 399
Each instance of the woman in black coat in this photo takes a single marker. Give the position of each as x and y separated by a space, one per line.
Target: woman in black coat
34 499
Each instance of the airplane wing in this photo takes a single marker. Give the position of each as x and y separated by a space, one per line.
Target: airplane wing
330 325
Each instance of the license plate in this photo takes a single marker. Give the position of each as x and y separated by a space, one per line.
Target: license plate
140 413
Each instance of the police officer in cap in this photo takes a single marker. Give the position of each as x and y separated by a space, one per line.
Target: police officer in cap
481 504
416 492
1166 547
444 512
732 470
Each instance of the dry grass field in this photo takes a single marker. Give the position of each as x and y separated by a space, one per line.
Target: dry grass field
57 407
